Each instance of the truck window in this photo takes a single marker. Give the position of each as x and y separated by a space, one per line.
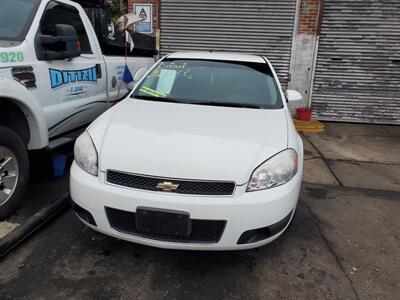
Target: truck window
112 41
58 13
15 18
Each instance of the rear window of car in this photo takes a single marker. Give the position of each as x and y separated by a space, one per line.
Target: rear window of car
210 81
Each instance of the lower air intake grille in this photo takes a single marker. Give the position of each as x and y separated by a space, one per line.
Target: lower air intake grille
203 231
188 187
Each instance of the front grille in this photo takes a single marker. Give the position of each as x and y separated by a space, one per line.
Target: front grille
203 231
190 187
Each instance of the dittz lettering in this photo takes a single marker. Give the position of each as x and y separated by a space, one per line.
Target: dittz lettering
62 77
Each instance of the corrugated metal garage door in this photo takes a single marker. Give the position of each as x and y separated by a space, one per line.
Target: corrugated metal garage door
358 67
260 27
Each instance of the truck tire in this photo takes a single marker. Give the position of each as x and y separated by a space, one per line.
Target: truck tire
14 171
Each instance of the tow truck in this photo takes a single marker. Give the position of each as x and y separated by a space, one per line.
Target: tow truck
59 70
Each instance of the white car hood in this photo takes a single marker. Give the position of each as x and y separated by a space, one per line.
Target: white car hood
188 141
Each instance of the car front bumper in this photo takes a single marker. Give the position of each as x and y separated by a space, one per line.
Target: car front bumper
242 212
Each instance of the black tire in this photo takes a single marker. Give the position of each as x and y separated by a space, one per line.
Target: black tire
11 141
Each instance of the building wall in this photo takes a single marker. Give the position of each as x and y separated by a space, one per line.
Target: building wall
306 41
308 16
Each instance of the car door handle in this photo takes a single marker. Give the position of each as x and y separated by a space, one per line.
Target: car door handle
98 70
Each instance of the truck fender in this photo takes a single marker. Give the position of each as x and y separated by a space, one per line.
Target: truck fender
30 106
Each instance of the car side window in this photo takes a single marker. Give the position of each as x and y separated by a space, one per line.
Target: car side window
59 13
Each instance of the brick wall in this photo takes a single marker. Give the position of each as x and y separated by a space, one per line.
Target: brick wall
155 11
308 17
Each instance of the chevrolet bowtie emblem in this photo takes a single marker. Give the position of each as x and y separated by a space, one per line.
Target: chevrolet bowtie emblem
167 186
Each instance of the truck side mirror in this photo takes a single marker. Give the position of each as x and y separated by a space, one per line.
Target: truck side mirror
139 73
65 45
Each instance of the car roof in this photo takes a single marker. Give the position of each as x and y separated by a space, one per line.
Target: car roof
211 55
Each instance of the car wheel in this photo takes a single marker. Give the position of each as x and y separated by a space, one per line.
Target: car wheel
14 171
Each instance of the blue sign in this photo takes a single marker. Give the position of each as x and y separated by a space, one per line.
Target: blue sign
62 77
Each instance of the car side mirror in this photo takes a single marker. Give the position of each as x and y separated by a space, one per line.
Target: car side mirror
295 100
64 45
293 96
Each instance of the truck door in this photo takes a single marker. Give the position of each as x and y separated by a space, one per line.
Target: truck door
72 91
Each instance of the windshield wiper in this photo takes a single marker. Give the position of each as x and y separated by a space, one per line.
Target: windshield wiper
229 104
154 98
210 103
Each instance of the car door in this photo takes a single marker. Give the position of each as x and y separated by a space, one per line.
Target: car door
72 91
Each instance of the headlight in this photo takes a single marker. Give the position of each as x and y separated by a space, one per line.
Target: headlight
277 170
85 153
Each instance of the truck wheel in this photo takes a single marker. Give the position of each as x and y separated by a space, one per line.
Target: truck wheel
14 171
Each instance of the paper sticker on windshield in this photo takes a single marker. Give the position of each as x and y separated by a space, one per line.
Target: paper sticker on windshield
151 92
166 80
11 57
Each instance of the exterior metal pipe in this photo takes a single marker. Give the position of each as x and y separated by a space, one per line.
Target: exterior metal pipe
22 232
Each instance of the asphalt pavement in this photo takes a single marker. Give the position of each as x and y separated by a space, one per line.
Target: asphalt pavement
344 243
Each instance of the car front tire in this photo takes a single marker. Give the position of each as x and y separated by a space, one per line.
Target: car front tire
14 171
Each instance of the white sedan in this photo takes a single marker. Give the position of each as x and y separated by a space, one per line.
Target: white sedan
202 155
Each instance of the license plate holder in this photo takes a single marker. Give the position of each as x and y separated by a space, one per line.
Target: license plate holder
163 221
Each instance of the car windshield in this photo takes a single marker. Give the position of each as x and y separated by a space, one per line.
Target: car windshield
15 18
210 82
